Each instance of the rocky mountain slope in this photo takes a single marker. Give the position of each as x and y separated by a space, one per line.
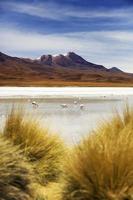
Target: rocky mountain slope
59 70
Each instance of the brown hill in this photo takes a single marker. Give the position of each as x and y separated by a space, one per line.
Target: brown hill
60 70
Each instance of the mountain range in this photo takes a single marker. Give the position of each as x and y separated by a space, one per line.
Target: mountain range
59 70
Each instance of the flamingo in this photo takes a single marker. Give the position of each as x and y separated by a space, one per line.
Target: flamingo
81 106
35 104
64 105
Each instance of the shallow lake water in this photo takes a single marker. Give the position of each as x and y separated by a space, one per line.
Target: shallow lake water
83 111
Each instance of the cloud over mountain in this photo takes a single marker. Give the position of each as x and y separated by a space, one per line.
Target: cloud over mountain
99 30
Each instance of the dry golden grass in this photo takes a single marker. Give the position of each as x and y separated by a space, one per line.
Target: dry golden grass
16 175
43 150
58 83
101 166
49 192
40 198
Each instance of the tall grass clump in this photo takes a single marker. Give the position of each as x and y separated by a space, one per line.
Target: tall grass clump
16 175
101 166
43 150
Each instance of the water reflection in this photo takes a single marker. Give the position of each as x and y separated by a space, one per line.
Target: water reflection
70 121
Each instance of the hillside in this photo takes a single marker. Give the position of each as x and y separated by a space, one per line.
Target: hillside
59 70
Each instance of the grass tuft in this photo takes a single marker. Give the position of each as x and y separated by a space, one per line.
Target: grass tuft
101 166
43 150
16 175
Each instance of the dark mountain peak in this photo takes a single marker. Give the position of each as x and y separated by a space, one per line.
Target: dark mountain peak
43 57
115 69
3 57
60 56
61 60
70 59
76 58
71 54
57 57
2 54
46 59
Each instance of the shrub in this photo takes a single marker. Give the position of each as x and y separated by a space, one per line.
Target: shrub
16 175
43 150
101 166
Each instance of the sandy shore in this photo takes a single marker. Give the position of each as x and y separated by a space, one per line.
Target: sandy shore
66 92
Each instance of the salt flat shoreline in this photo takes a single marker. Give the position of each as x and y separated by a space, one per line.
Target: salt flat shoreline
65 92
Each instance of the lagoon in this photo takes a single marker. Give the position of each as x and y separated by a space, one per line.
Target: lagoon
71 122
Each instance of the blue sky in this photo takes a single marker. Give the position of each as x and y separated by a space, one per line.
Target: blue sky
99 30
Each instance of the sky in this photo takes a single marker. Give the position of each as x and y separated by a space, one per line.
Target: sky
101 31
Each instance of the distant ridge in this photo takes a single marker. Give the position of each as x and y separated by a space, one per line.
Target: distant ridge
67 60
59 70
115 69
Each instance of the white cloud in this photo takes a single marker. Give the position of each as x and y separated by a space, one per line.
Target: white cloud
59 12
111 48
39 10
23 41
123 36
